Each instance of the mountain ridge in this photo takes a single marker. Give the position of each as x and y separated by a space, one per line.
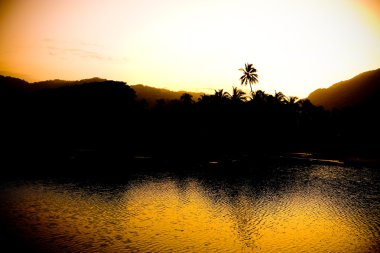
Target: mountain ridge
360 90
152 94
56 83
148 93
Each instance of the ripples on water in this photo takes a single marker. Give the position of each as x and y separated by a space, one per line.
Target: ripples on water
290 209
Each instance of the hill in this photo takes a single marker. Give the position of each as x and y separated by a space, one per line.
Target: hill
151 94
57 83
361 90
11 85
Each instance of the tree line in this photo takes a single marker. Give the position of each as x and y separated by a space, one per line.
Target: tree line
108 116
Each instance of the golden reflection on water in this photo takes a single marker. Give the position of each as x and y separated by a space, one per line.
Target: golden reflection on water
184 215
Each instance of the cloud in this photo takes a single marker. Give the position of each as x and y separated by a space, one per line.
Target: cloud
90 44
84 50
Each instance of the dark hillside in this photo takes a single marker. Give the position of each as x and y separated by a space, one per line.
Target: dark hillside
151 94
360 90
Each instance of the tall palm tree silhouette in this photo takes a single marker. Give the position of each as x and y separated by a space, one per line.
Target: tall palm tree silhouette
250 75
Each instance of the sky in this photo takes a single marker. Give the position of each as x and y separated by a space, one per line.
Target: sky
296 46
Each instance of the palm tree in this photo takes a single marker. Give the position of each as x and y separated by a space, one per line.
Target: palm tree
250 75
293 104
186 98
280 97
292 100
220 98
221 95
259 96
237 95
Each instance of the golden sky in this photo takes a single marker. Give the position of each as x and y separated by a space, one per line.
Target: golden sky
198 45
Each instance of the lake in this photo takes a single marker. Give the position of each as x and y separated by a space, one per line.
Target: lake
286 208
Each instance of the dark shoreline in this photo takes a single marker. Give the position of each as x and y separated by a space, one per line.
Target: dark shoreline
112 164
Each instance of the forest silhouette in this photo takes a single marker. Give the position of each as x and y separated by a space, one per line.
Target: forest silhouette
50 124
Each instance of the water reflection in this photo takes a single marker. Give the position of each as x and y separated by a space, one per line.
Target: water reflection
294 209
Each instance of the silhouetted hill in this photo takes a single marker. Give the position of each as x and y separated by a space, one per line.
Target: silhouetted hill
56 83
151 94
57 116
85 88
12 85
8 83
362 90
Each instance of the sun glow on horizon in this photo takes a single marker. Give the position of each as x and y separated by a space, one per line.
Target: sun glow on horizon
191 45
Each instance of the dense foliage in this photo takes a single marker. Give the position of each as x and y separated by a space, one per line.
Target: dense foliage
107 115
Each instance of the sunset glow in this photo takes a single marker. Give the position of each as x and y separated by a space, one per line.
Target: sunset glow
296 46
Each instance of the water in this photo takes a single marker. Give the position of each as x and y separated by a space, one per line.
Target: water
308 208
